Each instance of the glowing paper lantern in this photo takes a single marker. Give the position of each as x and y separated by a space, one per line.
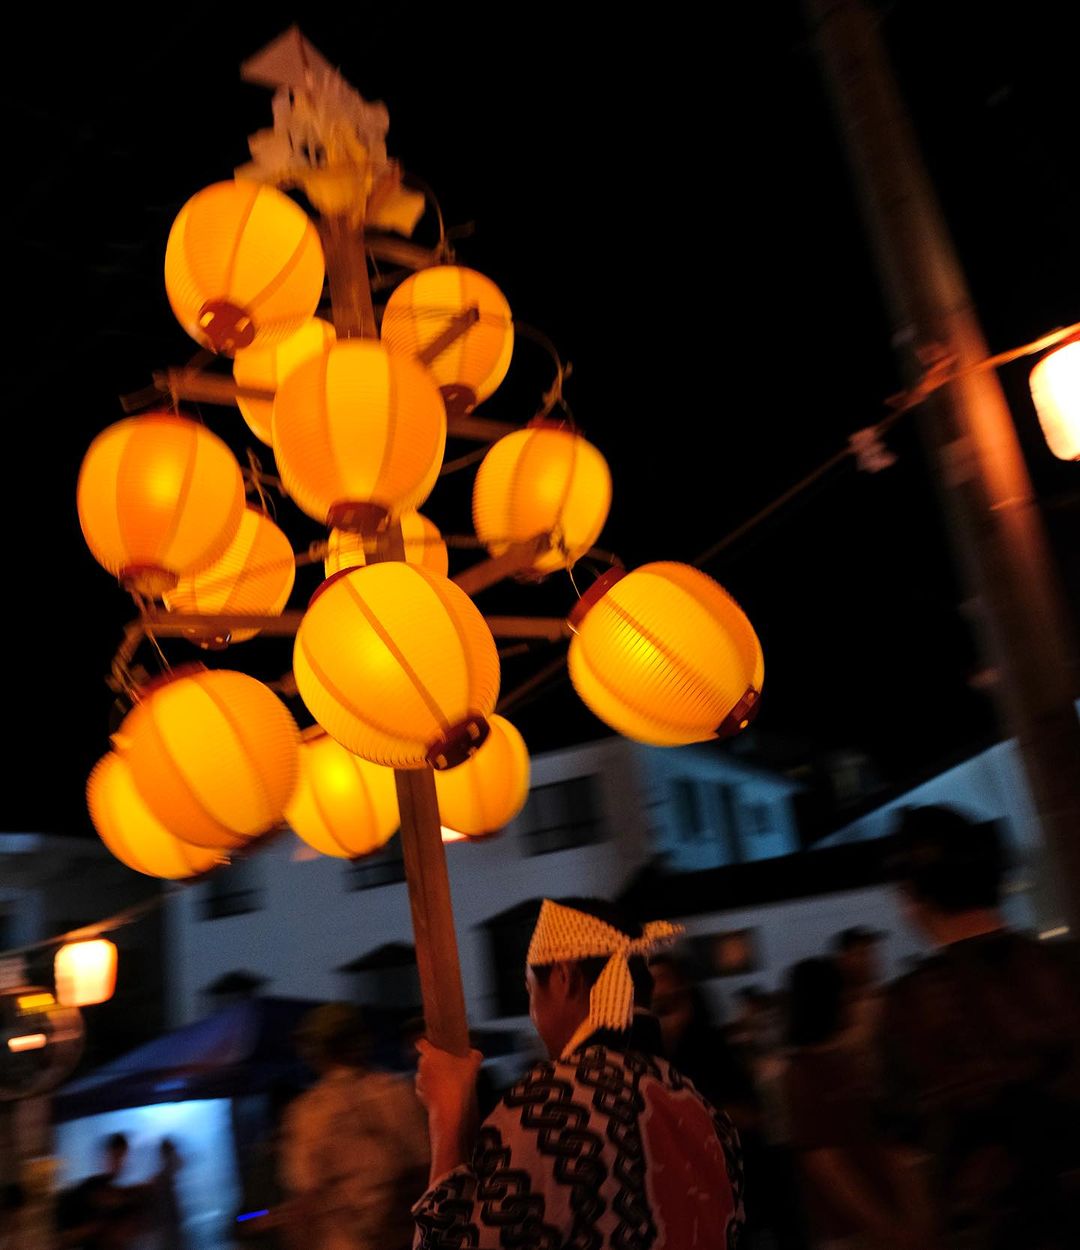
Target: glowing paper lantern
213 755
358 434
664 655
132 832
85 973
158 497
342 805
543 479
425 305
254 575
1055 388
488 790
262 368
398 665
243 266
423 546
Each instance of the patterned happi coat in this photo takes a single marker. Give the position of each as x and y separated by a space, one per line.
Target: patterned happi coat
609 1149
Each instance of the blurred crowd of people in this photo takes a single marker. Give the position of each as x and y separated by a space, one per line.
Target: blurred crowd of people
938 1112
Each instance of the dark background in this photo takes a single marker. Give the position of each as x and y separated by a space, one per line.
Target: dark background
664 195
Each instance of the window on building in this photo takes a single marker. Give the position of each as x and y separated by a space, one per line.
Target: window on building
385 979
689 819
562 815
508 937
385 867
232 891
756 819
727 800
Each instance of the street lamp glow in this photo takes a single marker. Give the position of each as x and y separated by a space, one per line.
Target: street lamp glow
1055 390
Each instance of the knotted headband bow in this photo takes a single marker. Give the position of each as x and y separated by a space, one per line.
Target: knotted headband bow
563 934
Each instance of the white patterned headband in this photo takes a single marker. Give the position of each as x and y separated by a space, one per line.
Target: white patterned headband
563 934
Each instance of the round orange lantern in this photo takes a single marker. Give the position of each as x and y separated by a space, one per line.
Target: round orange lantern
213 755
1055 389
488 790
254 575
243 266
342 805
426 306
423 545
262 368
358 434
132 832
85 973
664 655
543 479
159 497
398 665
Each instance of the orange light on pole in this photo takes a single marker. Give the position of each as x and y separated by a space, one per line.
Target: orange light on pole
543 479
85 973
254 575
1055 390
487 791
133 833
359 434
343 805
423 545
262 368
159 497
213 755
425 306
243 266
397 665
664 655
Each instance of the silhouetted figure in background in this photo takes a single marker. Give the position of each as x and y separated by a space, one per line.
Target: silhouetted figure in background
99 1214
981 1048
857 952
168 1217
699 1049
355 1150
854 1186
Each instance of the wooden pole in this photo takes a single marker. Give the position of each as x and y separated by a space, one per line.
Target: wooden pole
982 476
421 829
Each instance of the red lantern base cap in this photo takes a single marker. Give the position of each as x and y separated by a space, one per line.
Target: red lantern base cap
460 743
458 400
147 579
357 516
740 715
227 327
594 594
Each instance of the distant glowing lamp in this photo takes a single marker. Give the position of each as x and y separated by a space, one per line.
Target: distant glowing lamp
1055 389
664 655
133 833
159 498
398 665
423 545
542 480
427 304
243 266
254 575
85 973
262 368
359 435
343 805
213 755
486 792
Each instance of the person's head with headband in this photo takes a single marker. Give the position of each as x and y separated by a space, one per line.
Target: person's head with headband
587 971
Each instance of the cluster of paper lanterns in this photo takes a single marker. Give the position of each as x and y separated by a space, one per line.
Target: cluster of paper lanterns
394 662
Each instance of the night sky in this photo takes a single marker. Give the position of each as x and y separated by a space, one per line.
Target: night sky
670 205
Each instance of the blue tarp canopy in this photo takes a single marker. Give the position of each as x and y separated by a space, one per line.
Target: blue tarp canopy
245 1048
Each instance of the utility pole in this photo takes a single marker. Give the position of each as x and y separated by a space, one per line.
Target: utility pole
969 433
